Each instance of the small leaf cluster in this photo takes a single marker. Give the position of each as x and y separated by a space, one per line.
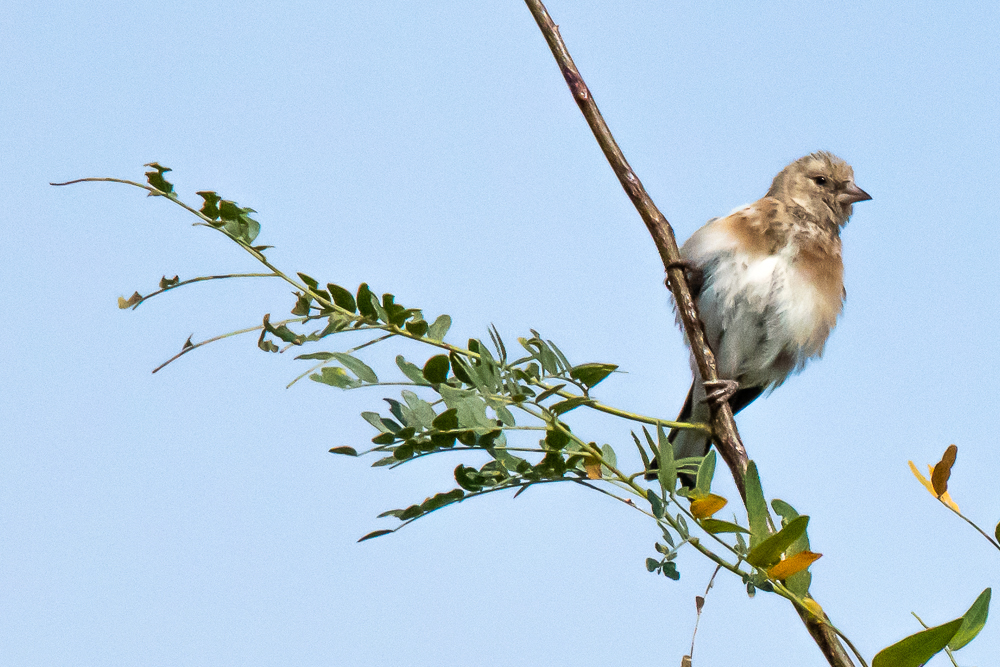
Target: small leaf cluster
777 559
229 217
475 395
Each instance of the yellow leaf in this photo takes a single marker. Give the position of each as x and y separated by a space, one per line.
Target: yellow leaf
707 506
793 565
593 469
923 480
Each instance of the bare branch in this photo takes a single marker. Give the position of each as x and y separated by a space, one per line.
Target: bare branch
727 437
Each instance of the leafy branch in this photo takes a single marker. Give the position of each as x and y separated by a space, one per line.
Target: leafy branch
471 396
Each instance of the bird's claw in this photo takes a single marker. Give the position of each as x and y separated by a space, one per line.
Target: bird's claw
720 391
694 273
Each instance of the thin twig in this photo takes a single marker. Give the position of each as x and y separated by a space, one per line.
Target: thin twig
699 605
971 523
727 436
190 347
201 279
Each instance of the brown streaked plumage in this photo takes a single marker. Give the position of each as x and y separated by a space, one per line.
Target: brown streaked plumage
770 285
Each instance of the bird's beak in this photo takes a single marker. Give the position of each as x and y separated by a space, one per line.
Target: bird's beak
852 194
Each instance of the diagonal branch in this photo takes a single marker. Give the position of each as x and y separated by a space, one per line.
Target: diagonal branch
727 437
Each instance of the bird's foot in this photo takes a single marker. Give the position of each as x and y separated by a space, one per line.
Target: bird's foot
720 391
693 272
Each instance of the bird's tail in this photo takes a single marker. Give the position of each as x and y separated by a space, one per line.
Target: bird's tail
689 442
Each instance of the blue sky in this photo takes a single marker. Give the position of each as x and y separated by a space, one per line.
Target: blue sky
431 149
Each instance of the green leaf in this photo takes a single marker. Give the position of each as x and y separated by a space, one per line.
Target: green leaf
396 313
715 526
335 377
972 621
642 451
282 332
236 221
783 509
210 208
556 439
436 369
380 313
447 420
757 512
155 178
439 329
403 452
918 648
417 328
591 374
420 408
399 412
472 414
666 472
670 571
346 451
336 322
411 371
229 210
375 533
364 302
469 478
302 304
655 504
705 473
356 366
652 564
768 552
741 544
548 392
439 500
262 343
997 532
504 415
309 280
376 420
342 297
563 407
460 368
563 361
316 355
799 582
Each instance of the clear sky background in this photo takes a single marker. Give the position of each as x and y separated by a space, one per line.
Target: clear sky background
194 517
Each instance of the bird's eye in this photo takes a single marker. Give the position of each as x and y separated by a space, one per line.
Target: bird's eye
820 180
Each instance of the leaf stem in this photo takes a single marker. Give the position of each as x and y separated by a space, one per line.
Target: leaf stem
189 347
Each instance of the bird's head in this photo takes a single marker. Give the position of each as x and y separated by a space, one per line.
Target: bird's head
820 183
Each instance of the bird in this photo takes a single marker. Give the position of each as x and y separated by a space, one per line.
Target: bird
768 282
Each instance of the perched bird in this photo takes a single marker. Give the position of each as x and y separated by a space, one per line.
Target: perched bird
768 281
